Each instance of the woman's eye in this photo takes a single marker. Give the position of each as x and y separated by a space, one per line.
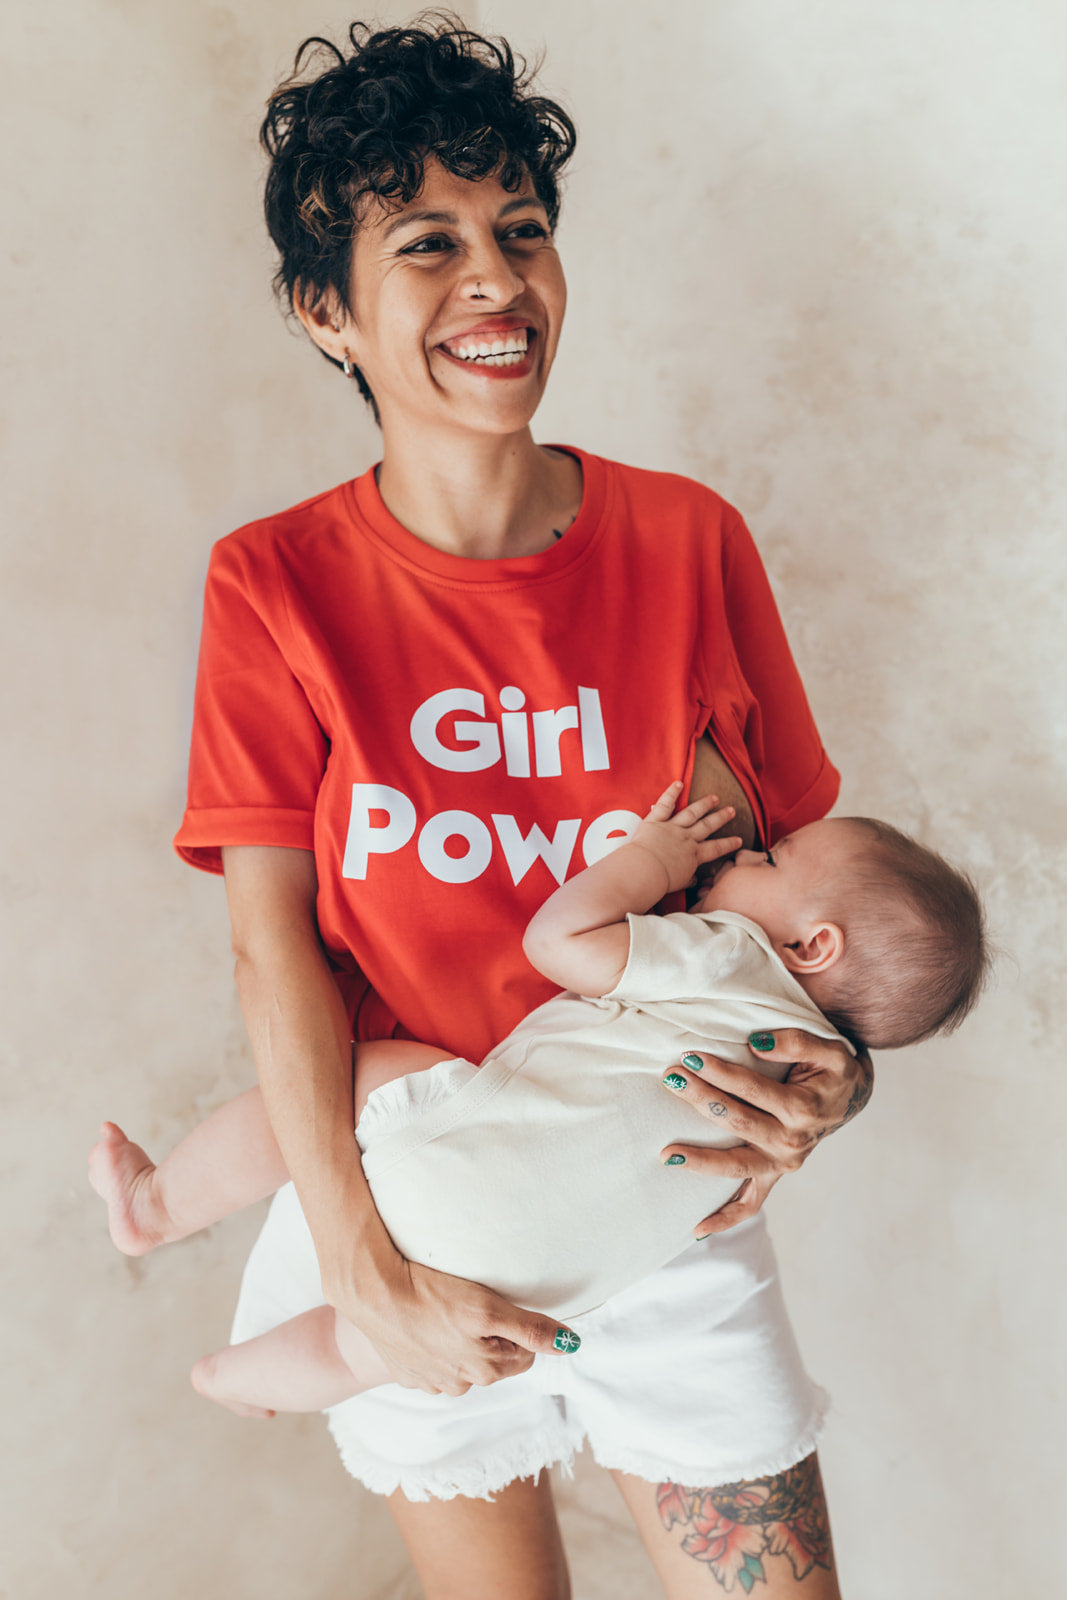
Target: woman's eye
528 230
431 246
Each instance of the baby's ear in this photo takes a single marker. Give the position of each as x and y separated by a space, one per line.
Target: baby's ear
820 949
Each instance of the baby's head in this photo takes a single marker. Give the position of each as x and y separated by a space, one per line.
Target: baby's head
886 937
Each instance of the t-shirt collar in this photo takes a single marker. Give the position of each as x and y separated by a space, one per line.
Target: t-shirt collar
376 521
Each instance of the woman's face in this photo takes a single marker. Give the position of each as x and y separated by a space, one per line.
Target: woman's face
462 267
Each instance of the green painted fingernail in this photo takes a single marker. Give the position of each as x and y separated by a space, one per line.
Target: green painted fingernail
694 1063
674 1161
566 1341
674 1080
761 1041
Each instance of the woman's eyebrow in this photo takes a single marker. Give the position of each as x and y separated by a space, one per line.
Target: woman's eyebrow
450 219
420 216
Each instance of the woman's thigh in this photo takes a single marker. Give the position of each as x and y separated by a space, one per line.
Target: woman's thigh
508 1548
767 1536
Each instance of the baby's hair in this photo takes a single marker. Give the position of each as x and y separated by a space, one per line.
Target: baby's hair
916 954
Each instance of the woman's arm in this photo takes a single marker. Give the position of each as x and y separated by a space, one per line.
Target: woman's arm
433 1331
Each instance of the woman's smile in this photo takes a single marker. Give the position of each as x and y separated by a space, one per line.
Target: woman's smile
498 349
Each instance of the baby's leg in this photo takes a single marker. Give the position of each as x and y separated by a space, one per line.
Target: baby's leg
311 1362
379 1061
229 1161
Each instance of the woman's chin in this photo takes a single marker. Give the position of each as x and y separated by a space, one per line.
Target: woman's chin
497 400
502 417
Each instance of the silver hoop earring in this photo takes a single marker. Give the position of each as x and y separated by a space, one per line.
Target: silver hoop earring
347 367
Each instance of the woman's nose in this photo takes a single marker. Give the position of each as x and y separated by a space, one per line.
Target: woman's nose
491 276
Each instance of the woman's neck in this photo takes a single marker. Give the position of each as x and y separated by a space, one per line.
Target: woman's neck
482 497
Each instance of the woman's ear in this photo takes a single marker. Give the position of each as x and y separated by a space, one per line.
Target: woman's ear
821 949
326 320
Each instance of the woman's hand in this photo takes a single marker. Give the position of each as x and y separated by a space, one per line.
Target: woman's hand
779 1123
442 1334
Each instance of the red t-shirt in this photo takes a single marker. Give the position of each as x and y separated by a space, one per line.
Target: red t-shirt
455 737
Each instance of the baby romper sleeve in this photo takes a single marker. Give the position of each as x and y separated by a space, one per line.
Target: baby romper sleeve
678 957
258 751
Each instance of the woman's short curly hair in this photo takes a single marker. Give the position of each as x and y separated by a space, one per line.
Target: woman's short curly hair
361 122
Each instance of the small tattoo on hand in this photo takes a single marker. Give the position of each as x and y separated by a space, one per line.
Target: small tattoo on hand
716 1109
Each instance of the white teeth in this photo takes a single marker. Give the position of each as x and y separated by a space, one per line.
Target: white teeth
504 351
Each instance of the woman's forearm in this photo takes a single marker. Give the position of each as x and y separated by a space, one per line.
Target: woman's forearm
301 1041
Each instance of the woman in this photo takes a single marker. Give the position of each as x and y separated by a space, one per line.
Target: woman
423 698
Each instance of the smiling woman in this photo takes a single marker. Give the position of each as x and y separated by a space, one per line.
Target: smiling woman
459 288
606 628
361 132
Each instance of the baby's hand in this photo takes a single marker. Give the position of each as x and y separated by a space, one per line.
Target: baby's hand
680 840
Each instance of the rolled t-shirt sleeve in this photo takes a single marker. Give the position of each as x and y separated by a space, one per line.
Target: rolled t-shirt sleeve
797 780
258 750
676 957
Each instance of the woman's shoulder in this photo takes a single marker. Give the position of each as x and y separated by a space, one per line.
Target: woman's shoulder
661 493
296 531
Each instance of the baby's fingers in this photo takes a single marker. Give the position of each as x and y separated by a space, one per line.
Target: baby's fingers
663 809
697 821
697 811
715 849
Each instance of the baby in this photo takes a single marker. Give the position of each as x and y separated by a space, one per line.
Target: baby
542 1172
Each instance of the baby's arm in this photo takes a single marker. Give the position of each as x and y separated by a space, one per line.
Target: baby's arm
580 938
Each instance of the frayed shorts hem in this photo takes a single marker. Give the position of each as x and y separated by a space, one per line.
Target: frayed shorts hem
552 1447
473 1480
657 1469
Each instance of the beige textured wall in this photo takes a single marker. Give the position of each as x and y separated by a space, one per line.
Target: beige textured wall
816 257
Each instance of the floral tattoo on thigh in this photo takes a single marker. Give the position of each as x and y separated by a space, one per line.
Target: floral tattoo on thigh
737 1527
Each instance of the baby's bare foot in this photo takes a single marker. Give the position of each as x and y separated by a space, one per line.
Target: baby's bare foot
208 1378
121 1174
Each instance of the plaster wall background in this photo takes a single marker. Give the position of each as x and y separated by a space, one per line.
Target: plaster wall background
816 258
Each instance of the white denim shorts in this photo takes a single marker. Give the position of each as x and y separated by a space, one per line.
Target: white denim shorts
691 1375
